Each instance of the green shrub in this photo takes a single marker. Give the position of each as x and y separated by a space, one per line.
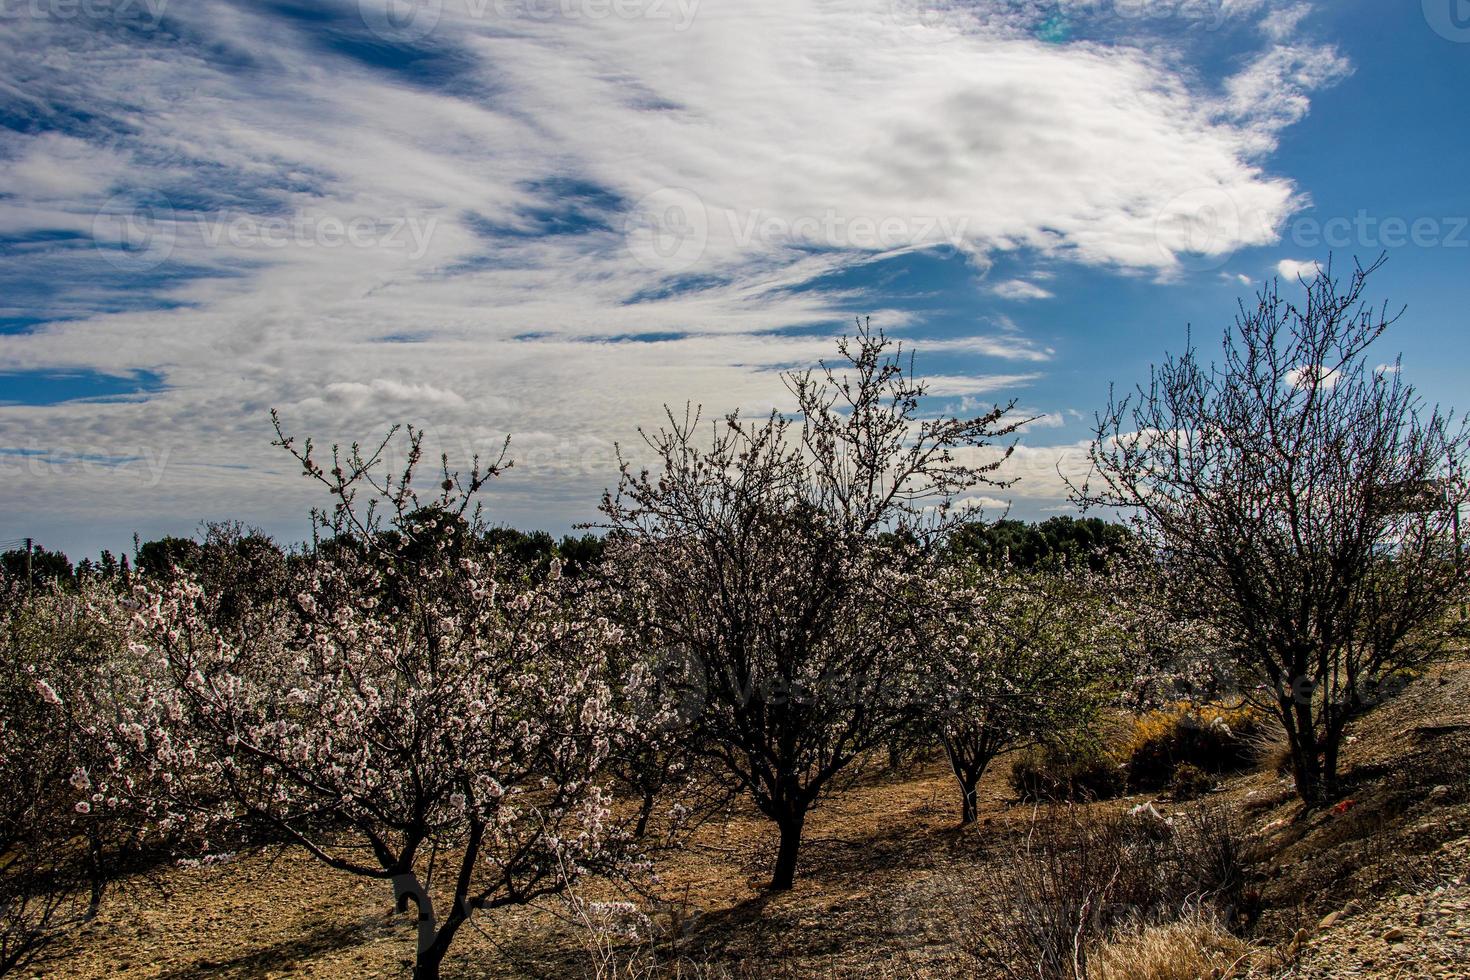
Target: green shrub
1067 773
1190 782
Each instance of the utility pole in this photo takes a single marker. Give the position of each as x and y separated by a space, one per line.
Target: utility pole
1459 553
1459 547
29 546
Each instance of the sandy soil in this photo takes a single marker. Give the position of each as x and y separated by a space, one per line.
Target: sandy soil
878 864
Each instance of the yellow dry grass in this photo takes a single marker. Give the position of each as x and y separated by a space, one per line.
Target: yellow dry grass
1194 948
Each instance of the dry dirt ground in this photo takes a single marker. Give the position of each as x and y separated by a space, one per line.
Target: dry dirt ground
1379 886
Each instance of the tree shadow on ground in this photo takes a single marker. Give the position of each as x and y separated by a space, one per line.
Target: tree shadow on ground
310 944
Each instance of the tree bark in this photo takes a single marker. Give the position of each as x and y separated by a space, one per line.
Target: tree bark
785 873
967 769
1306 769
644 812
426 967
969 806
1331 742
431 956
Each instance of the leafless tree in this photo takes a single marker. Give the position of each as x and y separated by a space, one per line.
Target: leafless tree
777 561
1306 496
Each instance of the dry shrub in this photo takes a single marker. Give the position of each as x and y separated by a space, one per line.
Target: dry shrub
1194 948
1149 755
1081 878
1270 749
1212 739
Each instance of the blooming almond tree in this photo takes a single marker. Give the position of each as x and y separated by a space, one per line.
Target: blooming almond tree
777 563
61 844
1307 497
1015 658
412 719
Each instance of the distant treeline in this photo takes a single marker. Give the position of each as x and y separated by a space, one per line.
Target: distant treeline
530 551
1057 540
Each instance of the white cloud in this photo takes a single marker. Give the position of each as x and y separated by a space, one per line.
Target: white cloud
1293 269
1274 90
388 390
1302 377
1019 289
1282 24
796 138
944 385
1039 420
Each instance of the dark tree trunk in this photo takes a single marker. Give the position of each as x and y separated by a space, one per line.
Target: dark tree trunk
968 768
785 874
1306 766
969 806
431 954
427 965
644 812
1332 741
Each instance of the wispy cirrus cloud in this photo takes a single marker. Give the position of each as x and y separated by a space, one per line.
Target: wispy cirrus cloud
550 224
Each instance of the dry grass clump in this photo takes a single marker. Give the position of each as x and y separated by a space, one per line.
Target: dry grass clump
1196 947
1184 747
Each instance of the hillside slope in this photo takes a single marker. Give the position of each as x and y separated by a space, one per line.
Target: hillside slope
1378 886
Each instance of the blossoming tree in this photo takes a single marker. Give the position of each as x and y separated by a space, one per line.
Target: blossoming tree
412 719
61 843
777 561
1015 658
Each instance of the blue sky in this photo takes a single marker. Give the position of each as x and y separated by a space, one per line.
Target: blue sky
549 217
